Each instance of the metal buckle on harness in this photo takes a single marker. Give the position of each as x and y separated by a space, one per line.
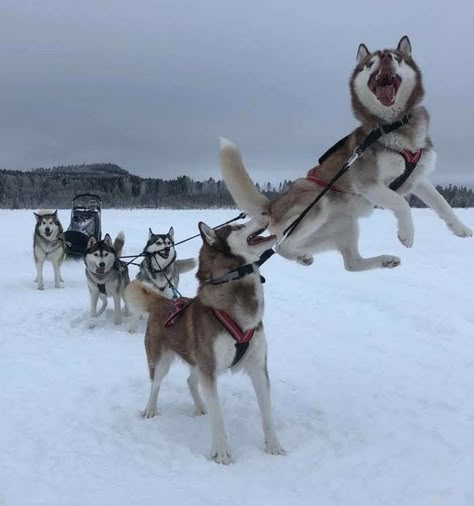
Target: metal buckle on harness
355 156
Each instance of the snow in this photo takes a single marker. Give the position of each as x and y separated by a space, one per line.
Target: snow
371 373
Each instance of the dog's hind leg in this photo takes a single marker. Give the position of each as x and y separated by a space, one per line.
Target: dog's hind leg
157 372
261 383
347 242
219 450
291 248
193 384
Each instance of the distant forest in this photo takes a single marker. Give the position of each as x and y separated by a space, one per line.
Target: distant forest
55 188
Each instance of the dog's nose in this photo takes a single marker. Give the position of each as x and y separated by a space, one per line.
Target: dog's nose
386 57
47 230
102 264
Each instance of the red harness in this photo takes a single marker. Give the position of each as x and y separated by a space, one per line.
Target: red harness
242 339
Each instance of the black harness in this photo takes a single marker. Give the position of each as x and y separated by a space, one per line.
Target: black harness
411 159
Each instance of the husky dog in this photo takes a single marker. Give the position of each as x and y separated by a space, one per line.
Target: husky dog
160 267
197 335
106 276
48 244
385 86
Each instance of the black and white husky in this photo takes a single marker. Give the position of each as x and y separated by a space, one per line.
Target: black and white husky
48 244
160 266
106 275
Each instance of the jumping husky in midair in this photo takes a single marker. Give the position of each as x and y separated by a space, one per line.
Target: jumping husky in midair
106 276
385 86
160 266
198 335
48 244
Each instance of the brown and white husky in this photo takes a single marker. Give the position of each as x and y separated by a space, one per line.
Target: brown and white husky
198 336
385 85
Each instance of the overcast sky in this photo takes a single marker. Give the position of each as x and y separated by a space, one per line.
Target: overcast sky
151 85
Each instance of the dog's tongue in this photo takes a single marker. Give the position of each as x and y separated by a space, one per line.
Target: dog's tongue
386 94
100 270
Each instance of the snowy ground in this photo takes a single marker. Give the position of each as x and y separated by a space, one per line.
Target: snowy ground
372 377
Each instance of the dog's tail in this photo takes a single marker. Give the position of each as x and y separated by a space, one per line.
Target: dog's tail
141 296
239 184
185 265
118 243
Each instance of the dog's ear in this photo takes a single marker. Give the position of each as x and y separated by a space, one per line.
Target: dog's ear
55 214
92 240
150 233
171 233
38 217
108 240
362 53
208 235
404 46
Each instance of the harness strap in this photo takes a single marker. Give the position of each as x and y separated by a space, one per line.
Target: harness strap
411 161
242 339
101 287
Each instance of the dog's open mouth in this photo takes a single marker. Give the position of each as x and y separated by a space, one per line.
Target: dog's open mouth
256 239
164 253
100 270
48 234
384 84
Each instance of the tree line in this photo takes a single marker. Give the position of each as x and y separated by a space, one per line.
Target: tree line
55 188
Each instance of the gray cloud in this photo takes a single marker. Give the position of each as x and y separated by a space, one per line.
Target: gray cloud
152 85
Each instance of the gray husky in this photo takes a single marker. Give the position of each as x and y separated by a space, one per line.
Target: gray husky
48 244
386 87
160 266
106 275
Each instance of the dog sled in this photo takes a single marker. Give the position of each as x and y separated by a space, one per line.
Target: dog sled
85 223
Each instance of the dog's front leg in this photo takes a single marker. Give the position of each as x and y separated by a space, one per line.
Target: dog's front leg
57 272
94 293
261 383
432 198
39 273
219 450
382 196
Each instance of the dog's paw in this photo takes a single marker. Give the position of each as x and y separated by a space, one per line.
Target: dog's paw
305 260
221 455
460 230
389 262
274 448
40 286
117 321
58 285
406 236
149 412
200 411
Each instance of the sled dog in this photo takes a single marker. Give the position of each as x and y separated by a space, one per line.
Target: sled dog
160 266
48 244
197 334
106 275
386 87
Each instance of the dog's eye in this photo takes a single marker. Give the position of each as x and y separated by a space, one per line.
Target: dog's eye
369 64
96 254
106 254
